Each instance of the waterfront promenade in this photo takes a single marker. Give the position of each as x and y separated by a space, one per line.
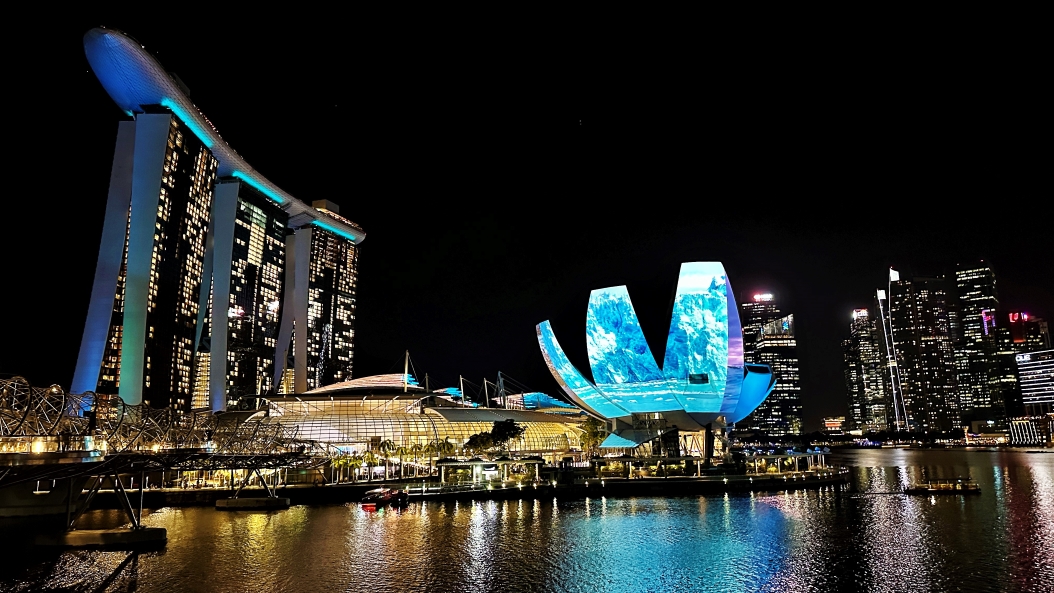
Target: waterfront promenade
423 490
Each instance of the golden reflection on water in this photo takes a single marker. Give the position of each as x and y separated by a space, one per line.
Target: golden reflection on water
871 538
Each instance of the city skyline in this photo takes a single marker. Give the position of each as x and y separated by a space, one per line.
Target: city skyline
486 218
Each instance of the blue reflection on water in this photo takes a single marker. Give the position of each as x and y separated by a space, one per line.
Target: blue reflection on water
870 537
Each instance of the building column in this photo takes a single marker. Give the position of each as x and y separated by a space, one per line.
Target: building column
151 142
224 212
108 268
301 296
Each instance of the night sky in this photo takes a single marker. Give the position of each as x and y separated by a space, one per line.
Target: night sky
500 179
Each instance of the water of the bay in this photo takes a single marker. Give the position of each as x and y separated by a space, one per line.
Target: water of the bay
866 536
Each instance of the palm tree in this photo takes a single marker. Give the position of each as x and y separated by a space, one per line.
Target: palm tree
355 462
370 460
386 447
337 463
416 449
445 448
402 452
430 450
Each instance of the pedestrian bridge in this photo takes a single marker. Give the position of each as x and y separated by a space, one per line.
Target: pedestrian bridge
46 433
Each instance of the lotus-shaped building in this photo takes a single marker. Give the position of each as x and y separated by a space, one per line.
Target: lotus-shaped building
703 378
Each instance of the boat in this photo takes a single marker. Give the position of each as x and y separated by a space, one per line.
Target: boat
384 497
945 486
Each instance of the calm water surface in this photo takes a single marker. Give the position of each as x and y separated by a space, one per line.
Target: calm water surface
865 537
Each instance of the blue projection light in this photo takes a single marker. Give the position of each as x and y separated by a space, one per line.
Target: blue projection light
703 374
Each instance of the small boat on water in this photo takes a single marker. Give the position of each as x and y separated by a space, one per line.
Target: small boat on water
384 497
945 486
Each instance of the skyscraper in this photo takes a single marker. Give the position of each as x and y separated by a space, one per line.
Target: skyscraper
975 346
758 309
322 304
1036 372
776 346
183 283
917 322
768 338
865 374
140 338
246 265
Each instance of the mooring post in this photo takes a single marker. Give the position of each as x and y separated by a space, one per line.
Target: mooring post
142 482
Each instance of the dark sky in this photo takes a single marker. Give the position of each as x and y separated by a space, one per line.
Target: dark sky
501 178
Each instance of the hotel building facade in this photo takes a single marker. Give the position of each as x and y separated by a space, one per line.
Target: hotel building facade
203 260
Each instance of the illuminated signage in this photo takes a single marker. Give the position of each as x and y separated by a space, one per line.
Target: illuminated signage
762 298
1023 358
987 320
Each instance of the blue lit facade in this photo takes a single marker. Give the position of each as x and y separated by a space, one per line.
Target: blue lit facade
206 269
703 378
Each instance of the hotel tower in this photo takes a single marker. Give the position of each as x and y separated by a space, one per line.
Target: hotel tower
212 283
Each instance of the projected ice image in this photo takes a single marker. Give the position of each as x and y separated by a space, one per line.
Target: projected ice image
622 364
696 359
703 372
577 387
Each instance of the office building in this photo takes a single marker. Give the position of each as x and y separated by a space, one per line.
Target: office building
768 338
916 322
865 375
974 345
777 347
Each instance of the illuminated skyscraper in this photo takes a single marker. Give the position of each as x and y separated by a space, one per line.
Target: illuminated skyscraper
866 374
140 337
183 283
776 346
1036 374
758 309
319 307
975 346
917 326
246 264
768 338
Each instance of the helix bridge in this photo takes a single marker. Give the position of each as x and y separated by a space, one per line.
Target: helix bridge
49 434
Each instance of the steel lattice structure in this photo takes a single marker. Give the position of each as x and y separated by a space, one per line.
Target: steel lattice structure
41 429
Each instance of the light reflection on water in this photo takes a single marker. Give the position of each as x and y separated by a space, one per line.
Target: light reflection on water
864 538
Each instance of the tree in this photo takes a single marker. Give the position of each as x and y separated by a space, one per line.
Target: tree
593 433
402 452
386 447
370 460
355 462
505 431
416 449
479 442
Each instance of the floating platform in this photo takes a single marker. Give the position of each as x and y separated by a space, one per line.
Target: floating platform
120 538
252 504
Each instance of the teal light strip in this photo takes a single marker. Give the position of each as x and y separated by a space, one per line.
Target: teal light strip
257 186
187 121
334 230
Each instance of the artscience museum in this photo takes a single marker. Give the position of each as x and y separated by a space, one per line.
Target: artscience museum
703 384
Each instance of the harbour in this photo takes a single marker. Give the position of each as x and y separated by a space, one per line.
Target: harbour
826 539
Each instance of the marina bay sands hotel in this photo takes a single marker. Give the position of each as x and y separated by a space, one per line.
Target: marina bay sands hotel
211 281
